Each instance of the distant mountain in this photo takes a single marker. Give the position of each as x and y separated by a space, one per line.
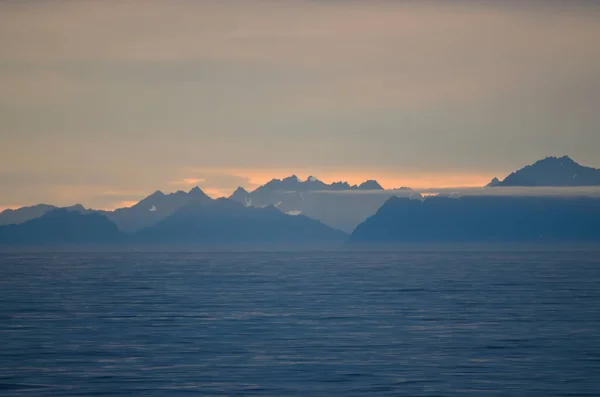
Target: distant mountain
224 221
483 219
241 196
219 221
493 182
370 185
62 226
24 214
145 213
552 171
342 210
339 204
293 183
154 208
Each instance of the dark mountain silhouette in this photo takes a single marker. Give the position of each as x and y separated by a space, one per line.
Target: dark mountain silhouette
24 214
552 171
240 195
290 195
154 208
221 221
224 221
293 183
342 186
493 182
484 218
62 226
370 185
339 204
197 194
147 212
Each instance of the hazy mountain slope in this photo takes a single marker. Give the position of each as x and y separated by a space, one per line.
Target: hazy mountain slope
154 208
342 210
226 222
489 218
240 195
339 205
24 214
62 226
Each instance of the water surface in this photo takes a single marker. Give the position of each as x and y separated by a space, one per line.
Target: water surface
414 323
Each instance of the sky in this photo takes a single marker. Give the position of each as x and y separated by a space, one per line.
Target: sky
104 102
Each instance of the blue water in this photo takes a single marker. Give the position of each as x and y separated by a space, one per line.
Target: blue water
300 324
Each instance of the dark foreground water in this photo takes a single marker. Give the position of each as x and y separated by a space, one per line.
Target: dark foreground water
300 324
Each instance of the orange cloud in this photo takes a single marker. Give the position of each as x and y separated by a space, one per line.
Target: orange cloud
216 192
188 181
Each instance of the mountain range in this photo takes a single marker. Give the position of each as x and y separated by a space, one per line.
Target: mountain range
24 214
312 183
483 219
224 221
339 204
62 226
155 208
216 221
288 210
552 171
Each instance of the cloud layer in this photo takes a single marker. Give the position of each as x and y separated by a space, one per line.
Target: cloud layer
128 97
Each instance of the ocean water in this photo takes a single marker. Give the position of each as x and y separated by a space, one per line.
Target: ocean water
410 323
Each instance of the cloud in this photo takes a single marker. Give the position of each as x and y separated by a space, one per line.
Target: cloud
584 191
387 192
113 95
188 181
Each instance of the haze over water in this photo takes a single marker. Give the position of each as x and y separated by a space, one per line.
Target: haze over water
415 323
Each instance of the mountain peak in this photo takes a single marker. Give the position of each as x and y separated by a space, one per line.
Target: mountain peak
197 194
312 179
240 195
154 197
494 182
292 178
340 186
555 159
370 184
553 171
195 191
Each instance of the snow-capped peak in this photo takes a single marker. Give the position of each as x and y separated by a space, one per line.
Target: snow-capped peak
292 178
312 179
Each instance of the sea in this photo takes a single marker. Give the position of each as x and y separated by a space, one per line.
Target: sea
407 322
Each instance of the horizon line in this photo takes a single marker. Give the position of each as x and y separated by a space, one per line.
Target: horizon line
558 191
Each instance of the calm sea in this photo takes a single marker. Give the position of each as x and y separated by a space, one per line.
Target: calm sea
412 323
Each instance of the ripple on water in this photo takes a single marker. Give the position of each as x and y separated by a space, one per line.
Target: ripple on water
300 324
